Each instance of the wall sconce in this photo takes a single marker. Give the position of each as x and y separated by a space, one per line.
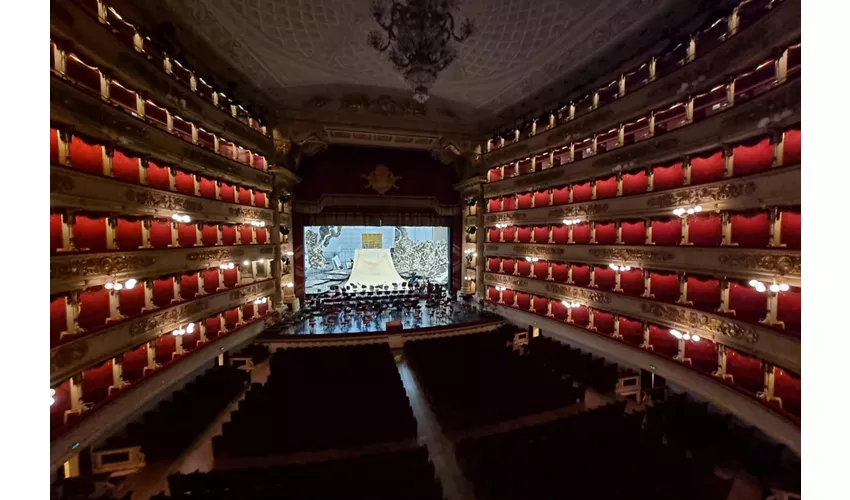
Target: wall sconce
501 226
289 284
681 212
571 222
116 285
229 265
775 287
684 336
262 300
615 267
570 305
500 289
260 223
52 398
190 328
532 259
181 218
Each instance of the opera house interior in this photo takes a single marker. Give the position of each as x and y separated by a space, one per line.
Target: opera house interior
563 235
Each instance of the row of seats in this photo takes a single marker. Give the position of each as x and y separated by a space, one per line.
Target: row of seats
708 36
474 380
166 431
561 359
319 399
407 474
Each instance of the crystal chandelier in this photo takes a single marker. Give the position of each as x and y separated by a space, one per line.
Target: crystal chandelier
418 36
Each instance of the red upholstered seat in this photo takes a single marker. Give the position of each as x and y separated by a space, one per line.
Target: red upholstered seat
663 342
752 158
581 233
155 114
226 148
247 312
756 82
245 233
259 199
55 232
243 155
787 387
229 276
231 318
666 232
751 230
509 203
213 327
244 196
188 286
262 236
510 170
524 201
559 272
190 340
664 286
559 312
160 233
509 233
606 233
631 282
702 355
86 156
508 297
541 198
493 264
54 146
633 233
541 269
747 372
209 235
671 118
58 319
631 331
96 382
789 310
227 192
128 234
581 274
606 188
181 128
132 301
90 233
561 196
83 74
185 183
704 293
635 183
603 321
790 230
494 174
581 316
166 346
541 234
667 176
157 175
260 162
707 167
186 234
523 267
125 167
710 102
747 302
263 309
508 266
636 131
607 141
560 234
525 166
61 404
228 235
524 234
163 292
541 305
493 234
791 147
705 229
582 192
604 277
542 162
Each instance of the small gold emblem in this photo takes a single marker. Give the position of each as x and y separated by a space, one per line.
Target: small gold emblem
381 179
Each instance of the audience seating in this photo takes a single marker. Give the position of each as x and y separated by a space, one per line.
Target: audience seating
405 475
474 380
319 399
563 360
165 432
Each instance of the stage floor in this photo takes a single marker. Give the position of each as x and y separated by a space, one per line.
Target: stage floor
459 316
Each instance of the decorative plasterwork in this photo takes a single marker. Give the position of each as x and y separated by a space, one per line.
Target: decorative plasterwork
133 70
780 186
744 50
72 109
79 354
765 343
725 397
777 108
732 262
362 137
407 202
107 419
77 190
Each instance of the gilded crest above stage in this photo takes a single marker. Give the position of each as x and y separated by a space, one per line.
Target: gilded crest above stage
381 179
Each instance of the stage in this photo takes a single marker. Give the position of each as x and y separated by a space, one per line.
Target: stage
461 315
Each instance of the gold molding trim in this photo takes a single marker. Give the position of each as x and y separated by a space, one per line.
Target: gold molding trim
702 194
578 293
780 264
632 254
701 321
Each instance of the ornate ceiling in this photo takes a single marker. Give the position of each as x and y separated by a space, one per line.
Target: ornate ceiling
300 52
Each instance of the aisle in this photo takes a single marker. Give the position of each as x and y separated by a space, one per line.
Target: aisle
440 449
198 457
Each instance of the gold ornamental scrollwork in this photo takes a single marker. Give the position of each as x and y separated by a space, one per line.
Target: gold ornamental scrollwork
785 265
578 293
501 279
491 248
61 183
533 180
538 251
702 321
579 210
158 200
68 354
247 291
631 254
505 217
157 321
217 254
702 195
98 266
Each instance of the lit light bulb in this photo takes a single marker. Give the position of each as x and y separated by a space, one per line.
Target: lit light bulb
754 283
784 287
565 303
176 217
686 336
246 262
628 268
190 328
130 283
774 288
175 333
679 211
187 219
761 288
291 284
262 223
118 286
691 211
109 285
289 254
613 266
676 333
528 259
695 338
697 209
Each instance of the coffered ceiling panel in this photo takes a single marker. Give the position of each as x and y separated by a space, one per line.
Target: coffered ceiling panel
295 50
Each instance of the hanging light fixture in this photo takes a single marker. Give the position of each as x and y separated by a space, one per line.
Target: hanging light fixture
775 287
419 35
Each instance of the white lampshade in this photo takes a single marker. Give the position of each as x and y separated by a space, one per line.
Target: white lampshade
118 286
754 283
697 209
695 338
109 285
774 288
187 219
691 211
613 266
676 333
686 336
784 287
